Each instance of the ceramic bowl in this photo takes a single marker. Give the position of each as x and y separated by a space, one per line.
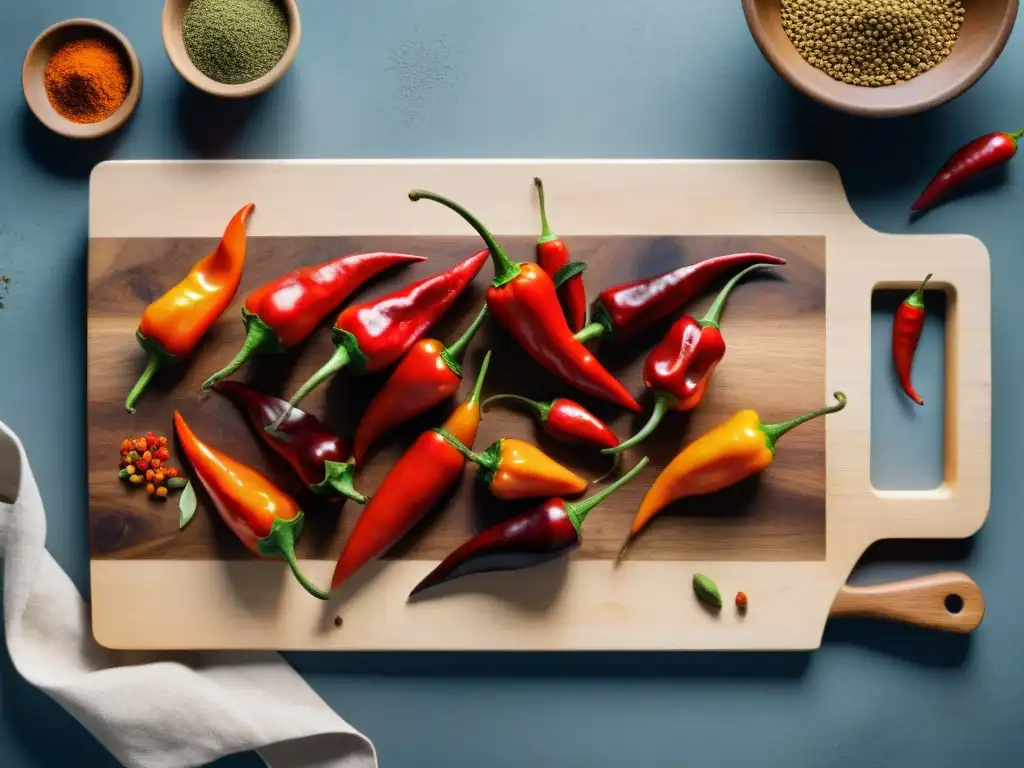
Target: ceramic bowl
174 14
39 54
987 25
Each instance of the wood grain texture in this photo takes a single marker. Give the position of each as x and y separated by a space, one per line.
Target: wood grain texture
774 326
950 602
575 603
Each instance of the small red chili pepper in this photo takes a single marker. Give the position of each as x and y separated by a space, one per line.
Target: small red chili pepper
285 311
523 300
413 485
427 376
553 255
679 369
906 332
741 600
264 518
547 531
319 457
624 309
375 334
566 421
978 155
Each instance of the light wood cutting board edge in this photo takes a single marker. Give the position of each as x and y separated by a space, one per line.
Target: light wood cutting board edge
641 605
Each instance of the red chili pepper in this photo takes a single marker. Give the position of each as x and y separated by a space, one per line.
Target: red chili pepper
426 377
416 482
523 300
319 457
262 516
553 255
679 369
566 421
979 155
375 334
542 534
285 311
624 309
906 332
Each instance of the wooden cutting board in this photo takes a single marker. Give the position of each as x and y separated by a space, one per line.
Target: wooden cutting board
789 538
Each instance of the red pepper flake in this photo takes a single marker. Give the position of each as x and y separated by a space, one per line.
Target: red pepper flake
741 601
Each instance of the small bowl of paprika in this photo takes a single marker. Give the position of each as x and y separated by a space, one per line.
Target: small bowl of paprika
81 78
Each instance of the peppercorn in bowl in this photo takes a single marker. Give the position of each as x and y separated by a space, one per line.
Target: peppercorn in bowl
231 48
81 78
881 58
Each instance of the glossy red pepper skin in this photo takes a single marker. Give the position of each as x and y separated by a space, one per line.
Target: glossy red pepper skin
566 421
413 485
375 334
427 376
547 531
980 154
285 311
679 369
906 332
625 309
523 300
317 455
552 255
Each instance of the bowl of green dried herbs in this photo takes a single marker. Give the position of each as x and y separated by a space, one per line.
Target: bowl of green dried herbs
231 48
881 58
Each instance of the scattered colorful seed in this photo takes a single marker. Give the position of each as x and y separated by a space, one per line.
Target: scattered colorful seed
143 462
707 590
741 601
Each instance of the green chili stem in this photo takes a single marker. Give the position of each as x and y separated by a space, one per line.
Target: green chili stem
662 402
578 511
452 356
153 363
482 458
478 387
338 360
774 431
714 313
546 235
504 268
1017 134
916 299
257 335
542 409
338 478
593 331
280 542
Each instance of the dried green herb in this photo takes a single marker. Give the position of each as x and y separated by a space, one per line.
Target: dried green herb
707 590
5 284
235 41
186 506
873 42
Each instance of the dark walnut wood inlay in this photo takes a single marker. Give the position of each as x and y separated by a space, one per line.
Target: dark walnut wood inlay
774 326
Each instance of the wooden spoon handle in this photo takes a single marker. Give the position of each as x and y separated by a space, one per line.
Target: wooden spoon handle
949 602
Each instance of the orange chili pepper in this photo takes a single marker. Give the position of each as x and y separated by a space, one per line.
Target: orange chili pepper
173 324
264 518
515 469
736 449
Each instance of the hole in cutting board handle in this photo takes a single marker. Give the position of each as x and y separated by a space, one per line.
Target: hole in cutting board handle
908 441
954 603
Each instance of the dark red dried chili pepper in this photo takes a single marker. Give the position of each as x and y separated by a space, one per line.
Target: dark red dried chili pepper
542 534
553 255
416 482
679 369
523 300
427 376
285 311
375 334
630 307
906 332
978 155
319 457
566 421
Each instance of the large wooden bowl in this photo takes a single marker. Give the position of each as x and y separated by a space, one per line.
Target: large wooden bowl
987 25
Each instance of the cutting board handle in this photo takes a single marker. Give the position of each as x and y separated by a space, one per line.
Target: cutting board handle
949 602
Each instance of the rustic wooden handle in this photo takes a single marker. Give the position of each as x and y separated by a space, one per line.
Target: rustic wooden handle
949 602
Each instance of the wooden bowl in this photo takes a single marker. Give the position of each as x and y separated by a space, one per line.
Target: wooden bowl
38 56
174 14
987 25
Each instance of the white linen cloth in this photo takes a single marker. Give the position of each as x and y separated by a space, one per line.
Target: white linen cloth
151 710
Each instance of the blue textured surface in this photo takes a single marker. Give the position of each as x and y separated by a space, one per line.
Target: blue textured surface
549 78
